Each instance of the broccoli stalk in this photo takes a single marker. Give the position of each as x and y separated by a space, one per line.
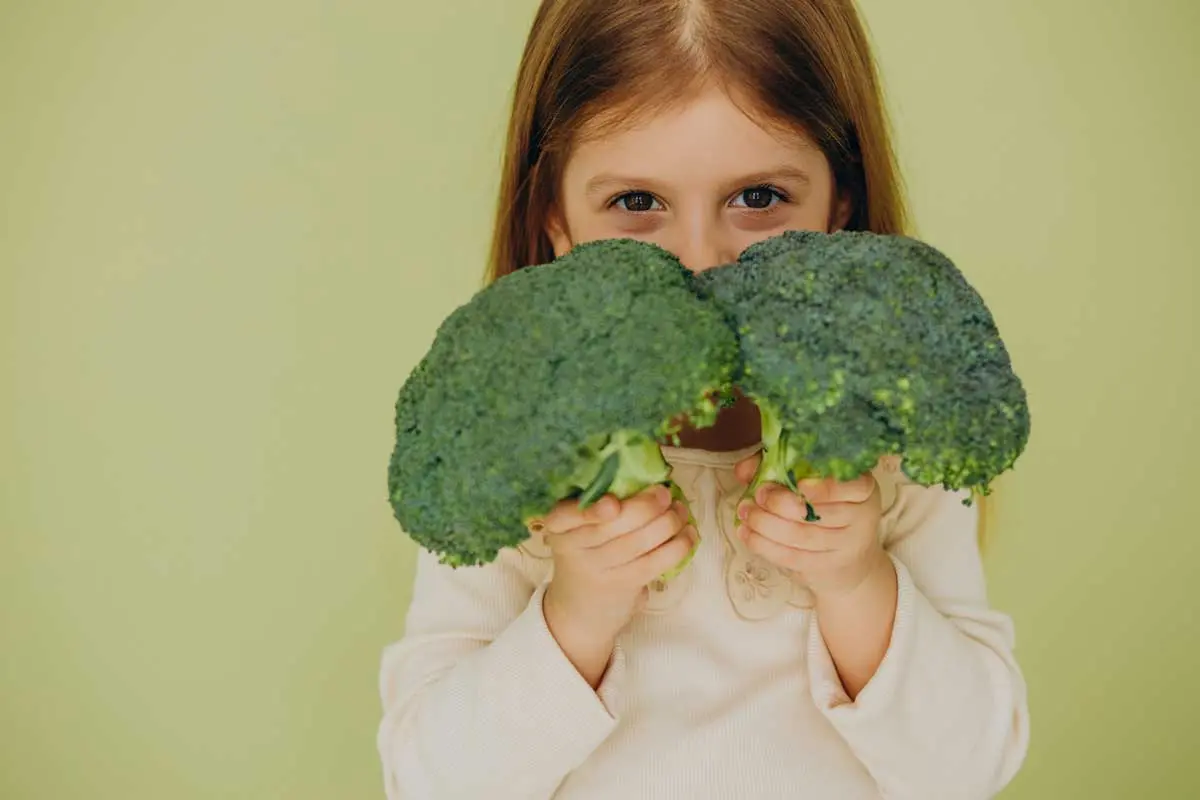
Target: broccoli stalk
782 461
624 464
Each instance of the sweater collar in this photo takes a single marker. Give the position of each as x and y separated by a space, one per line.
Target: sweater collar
718 459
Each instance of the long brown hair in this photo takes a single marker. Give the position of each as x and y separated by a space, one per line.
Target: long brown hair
805 63
588 64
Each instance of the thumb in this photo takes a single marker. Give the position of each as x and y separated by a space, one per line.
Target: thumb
745 469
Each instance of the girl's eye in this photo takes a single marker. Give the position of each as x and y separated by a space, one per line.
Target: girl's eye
756 198
636 202
760 197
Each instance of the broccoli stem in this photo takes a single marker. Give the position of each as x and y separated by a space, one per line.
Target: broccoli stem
602 482
782 461
623 465
673 572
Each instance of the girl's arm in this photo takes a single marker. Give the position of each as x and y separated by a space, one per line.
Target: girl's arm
856 627
478 698
944 714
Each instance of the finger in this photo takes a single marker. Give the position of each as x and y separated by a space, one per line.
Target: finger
745 469
636 512
828 490
794 535
782 502
780 555
665 557
816 490
635 544
592 537
788 505
858 491
568 516
836 516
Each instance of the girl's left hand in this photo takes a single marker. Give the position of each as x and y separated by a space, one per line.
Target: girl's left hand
832 556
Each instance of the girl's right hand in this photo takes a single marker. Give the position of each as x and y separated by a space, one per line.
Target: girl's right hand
604 559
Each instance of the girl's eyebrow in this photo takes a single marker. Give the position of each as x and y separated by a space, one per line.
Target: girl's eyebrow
606 182
785 172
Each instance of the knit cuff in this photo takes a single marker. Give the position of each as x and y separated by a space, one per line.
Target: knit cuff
570 718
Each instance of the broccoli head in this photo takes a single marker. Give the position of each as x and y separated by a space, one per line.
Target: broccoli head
555 382
857 345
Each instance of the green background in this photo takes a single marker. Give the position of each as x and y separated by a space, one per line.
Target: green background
229 229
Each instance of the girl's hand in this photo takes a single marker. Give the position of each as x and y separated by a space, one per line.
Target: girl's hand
604 559
832 556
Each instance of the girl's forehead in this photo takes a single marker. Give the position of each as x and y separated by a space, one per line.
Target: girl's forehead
709 130
710 111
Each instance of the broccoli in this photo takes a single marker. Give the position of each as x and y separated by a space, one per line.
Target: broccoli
555 382
857 345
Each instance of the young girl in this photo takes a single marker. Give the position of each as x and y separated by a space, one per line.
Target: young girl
851 658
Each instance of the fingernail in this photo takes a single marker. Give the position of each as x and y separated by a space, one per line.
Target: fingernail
743 511
760 496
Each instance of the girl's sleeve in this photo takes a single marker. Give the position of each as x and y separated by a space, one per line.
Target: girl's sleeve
478 698
945 715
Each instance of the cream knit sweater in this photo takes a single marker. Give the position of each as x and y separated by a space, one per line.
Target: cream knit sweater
722 690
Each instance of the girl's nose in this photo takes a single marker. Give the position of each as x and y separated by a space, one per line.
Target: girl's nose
703 249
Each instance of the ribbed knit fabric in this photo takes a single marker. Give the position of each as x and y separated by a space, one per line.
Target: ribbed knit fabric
707 698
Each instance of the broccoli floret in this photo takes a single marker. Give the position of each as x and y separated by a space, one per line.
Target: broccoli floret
858 345
558 381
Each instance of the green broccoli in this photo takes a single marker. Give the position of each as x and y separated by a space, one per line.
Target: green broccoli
857 345
555 382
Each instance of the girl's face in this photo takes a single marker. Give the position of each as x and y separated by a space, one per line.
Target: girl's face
703 181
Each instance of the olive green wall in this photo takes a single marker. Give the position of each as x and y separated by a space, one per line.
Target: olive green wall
227 230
